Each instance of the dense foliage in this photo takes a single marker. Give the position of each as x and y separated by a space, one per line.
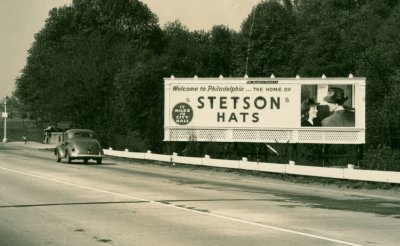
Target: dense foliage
100 63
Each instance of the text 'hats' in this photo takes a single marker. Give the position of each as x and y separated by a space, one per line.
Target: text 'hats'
335 95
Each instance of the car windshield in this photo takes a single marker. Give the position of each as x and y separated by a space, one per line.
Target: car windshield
82 135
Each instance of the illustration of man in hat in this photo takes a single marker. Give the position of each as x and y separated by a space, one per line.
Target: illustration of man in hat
340 116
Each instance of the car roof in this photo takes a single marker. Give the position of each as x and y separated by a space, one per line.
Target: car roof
79 130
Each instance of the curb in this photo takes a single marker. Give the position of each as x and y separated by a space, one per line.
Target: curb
32 145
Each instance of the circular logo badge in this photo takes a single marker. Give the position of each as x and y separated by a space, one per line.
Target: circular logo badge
182 114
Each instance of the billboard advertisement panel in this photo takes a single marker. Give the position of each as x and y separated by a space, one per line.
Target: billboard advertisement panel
256 109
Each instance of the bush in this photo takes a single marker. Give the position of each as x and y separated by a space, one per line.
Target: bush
382 158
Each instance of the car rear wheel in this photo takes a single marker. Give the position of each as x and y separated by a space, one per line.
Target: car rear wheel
99 160
85 161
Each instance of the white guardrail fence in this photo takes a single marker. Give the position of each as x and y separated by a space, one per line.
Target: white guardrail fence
348 173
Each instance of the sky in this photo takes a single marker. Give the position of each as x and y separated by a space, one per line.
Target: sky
21 19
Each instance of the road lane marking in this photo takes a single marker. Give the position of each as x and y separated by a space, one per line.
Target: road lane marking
187 209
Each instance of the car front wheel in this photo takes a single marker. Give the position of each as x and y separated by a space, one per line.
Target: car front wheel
99 161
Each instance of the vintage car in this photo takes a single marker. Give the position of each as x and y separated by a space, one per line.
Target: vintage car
79 144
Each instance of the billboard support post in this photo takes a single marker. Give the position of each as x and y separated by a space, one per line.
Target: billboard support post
360 154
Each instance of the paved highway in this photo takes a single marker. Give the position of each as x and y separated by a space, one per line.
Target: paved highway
126 203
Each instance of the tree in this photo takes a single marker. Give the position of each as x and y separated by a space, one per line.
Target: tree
381 66
220 52
74 62
180 55
266 40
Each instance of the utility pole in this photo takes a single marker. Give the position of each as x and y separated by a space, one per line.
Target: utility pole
5 116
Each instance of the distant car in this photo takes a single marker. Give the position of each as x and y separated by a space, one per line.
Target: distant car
79 144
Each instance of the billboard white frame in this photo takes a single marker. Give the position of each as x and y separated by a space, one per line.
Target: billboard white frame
265 110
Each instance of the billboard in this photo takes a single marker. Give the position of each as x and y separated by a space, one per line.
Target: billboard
294 110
